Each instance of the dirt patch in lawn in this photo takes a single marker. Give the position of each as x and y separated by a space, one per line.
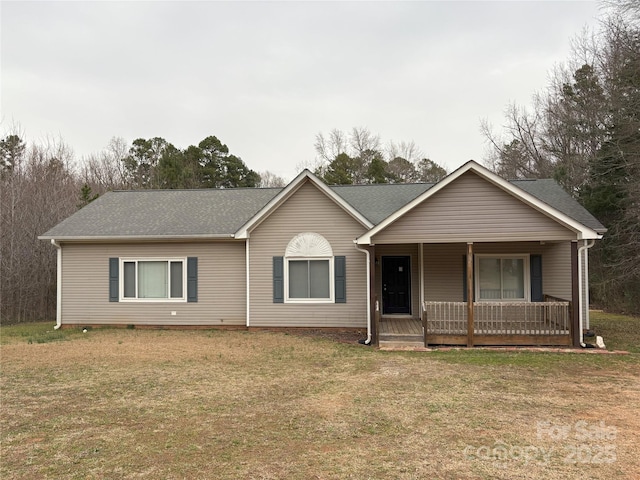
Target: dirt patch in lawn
350 337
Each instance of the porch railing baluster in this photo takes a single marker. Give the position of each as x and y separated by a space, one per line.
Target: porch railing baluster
549 318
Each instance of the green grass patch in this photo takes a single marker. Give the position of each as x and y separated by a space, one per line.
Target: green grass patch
619 332
37 332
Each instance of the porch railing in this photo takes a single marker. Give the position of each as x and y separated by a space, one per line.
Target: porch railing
498 318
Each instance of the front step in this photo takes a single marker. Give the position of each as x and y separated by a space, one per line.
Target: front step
399 345
395 341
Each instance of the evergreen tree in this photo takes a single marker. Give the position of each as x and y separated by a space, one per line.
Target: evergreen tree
86 196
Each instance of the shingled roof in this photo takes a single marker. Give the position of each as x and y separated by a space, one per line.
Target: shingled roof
376 202
219 213
550 192
165 213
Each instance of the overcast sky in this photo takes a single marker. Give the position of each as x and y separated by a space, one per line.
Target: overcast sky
266 77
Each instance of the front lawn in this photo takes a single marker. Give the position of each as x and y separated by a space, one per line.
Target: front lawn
163 404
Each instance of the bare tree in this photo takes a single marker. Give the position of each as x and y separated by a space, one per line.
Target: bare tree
39 191
105 170
407 150
361 141
331 146
519 153
269 179
628 8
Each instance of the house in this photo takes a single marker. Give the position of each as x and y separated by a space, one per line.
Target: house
472 260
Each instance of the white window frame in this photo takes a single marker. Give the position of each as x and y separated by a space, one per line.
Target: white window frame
330 299
525 257
169 299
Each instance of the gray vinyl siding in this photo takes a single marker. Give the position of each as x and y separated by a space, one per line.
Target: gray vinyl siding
401 250
221 285
307 210
444 270
471 209
556 270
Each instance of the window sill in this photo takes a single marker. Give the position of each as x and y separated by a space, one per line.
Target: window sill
307 301
153 300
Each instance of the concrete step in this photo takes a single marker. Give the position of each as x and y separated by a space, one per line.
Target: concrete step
395 337
399 341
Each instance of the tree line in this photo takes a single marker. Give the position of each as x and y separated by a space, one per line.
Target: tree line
359 157
155 163
584 131
41 184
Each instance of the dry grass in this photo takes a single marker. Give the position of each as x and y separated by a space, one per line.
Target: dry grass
218 404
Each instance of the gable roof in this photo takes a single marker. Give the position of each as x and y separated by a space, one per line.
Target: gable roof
583 231
376 202
164 214
550 192
304 177
231 213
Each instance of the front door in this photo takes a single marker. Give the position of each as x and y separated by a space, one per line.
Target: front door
396 285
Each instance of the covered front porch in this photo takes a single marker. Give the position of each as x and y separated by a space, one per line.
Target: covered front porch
478 260
480 294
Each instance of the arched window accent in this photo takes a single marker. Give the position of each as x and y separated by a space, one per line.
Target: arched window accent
309 272
309 244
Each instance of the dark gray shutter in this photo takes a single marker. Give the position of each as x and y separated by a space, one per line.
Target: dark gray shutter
340 277
114 280
278 280
192 279
536 278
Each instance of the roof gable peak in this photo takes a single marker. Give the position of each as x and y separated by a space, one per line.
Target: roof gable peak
306 176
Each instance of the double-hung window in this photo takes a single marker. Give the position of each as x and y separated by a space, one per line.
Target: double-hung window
502 278
153 279
309 279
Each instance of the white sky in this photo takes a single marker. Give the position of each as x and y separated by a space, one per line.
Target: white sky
266 77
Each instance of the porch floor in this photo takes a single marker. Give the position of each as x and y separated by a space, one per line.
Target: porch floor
400 332
400 326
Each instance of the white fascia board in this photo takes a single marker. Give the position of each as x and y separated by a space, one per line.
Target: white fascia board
294 185
583 232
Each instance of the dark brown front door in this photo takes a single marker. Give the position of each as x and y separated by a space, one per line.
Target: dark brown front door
396 285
